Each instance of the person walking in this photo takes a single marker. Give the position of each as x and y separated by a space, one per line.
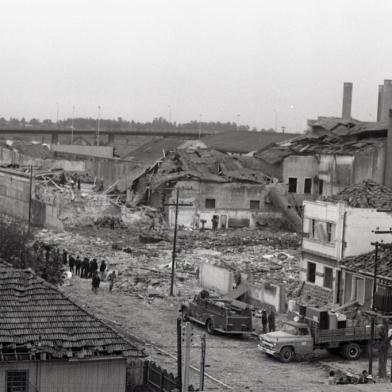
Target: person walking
271 321
102 269
95 281
78 264
85 267
94 266
264 320
65 257
111 277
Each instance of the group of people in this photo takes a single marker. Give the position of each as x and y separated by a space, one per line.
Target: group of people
268 321
89 269
364 378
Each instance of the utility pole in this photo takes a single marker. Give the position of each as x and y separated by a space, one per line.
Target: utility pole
99 119
376 244
202 361
200 125
179 355
30 199
187 356
175 238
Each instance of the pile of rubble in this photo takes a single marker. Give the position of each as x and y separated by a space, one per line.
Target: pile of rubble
367 194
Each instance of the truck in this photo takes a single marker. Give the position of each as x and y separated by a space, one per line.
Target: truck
218 314
302 337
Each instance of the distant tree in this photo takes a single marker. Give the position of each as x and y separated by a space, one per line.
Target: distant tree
34 122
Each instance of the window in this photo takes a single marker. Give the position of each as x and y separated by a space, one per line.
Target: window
328 277
17 381
254 204
313 232
308 186
330 232
311 272
210 203
292 185
320 187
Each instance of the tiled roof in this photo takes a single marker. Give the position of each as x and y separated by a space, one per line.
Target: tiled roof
366 194
365 263
36 317
243 142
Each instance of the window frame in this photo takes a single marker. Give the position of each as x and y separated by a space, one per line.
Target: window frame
308 272
331 278
207 200
254 201
306 181
25 371
296 184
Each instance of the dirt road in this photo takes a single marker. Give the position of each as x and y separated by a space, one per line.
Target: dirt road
235 361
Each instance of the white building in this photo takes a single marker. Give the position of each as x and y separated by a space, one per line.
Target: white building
333 232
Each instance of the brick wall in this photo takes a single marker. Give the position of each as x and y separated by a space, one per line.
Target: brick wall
316 295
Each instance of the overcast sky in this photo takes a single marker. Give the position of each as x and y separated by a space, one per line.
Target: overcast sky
254 61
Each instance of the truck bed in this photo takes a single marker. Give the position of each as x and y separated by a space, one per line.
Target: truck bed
343 335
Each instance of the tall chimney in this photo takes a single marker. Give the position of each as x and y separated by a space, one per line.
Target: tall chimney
347 99
386 101
388 153
379 104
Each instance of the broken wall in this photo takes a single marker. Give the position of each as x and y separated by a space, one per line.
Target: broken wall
216 278
268 293
235 204
94 151
369 164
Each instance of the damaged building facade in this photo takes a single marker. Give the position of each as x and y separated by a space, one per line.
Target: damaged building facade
212 185
337 231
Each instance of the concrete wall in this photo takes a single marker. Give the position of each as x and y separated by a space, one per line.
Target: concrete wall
370 164
232 204
270 294
216 278
14 201
94 151
73 376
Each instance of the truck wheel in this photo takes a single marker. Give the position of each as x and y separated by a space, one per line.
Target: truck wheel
286 354
185 315
352 351
210 326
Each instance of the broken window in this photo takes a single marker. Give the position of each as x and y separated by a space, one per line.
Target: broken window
17 381
292 185
308 186
254 204
311 272
210 203
328 277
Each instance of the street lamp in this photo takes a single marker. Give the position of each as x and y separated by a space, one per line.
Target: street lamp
99 119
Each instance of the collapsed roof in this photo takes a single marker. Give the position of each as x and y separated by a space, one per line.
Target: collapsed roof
366 194
37 318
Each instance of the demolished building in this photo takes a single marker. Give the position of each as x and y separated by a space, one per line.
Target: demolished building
231 189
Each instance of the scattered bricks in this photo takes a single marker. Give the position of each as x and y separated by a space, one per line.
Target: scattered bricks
316 295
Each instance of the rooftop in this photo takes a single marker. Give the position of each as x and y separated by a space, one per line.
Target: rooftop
37 318
244 142
366 194
365 263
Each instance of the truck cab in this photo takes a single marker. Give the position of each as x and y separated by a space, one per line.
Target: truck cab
294 338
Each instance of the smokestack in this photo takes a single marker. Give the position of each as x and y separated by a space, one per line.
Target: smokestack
347 99
379 104
388 153
386 101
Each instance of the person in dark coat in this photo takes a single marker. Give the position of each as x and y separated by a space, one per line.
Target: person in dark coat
271 321
85 268
71 263
78 182
94 266
65 256
264 320
78 264
102 268
95 281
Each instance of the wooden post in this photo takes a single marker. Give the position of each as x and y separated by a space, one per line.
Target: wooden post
202 362
174 245
179 355
187 357
373 318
